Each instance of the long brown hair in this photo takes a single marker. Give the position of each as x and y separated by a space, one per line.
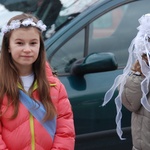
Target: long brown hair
9 75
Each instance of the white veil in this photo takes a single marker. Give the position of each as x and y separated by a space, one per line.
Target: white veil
140 45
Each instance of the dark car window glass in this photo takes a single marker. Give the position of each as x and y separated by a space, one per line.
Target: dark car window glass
105 34
68 53
114 31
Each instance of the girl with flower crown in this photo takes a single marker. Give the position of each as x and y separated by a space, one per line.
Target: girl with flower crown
134 88
35 112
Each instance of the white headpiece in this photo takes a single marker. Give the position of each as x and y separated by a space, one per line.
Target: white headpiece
15 24
139 45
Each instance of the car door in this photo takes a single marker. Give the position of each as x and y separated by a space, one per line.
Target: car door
109 28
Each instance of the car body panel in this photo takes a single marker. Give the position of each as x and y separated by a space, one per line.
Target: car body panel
86 93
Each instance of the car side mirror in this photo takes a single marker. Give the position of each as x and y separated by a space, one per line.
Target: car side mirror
95 62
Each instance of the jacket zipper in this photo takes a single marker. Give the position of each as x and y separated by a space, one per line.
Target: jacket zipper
32 132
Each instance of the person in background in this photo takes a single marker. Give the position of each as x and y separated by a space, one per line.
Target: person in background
35 112
134 87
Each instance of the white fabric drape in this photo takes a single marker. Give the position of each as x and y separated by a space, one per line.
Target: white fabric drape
140 45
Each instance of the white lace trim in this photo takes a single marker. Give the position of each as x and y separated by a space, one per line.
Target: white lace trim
15 24
139 45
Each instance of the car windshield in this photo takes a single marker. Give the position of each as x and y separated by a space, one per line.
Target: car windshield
54 13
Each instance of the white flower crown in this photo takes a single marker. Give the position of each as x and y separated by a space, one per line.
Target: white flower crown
15 24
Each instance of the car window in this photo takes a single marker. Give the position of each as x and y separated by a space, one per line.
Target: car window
114 31
107 24
111 32
105 33
71 51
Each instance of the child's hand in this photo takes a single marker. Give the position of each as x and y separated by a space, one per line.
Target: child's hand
144 57
136 67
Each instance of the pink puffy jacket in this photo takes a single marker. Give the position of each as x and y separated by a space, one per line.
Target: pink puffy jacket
26 133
